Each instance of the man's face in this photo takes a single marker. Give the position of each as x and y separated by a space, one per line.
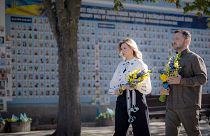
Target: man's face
178 41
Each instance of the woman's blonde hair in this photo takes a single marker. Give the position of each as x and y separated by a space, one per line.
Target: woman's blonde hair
132 44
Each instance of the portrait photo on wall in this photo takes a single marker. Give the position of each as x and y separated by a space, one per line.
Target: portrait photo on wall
1 40
1 29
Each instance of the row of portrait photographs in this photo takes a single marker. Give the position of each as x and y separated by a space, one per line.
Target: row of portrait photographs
40 20
200 40
88 28
36 68
35 36
87 42
36 52
32 92
36 76
33 43
30 28
34 85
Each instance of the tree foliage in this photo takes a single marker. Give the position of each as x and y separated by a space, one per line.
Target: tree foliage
201 7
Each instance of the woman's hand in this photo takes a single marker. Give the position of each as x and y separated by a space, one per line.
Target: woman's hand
120 90
127 87
117 92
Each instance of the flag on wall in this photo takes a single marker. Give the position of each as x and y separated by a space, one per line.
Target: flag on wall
25 7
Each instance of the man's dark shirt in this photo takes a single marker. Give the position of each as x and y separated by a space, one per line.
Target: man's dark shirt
188 93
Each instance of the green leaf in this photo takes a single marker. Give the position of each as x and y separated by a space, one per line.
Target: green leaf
201 7
178 4
118 5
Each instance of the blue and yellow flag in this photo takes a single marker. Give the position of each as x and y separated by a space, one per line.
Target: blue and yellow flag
24 7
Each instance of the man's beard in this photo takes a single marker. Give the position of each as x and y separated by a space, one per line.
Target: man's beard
179 47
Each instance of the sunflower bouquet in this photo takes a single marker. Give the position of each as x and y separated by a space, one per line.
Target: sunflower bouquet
171 70
135 79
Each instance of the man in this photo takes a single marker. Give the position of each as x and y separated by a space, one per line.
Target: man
184 100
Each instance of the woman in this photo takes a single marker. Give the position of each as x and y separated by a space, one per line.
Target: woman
131 107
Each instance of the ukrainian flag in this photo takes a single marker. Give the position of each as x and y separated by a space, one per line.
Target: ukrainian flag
24 7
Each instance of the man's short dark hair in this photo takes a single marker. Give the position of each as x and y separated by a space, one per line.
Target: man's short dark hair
186 34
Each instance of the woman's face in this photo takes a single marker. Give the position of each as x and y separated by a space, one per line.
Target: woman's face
127 52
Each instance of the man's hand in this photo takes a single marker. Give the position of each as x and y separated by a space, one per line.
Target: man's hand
163 91
174 80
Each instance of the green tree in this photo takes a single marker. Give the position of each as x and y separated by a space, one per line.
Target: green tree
201 7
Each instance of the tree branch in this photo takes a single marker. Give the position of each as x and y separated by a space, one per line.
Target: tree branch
76 9
51 13
62 17
201 7
73 13
60 7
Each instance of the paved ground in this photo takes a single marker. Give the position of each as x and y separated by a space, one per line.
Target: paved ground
157 129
